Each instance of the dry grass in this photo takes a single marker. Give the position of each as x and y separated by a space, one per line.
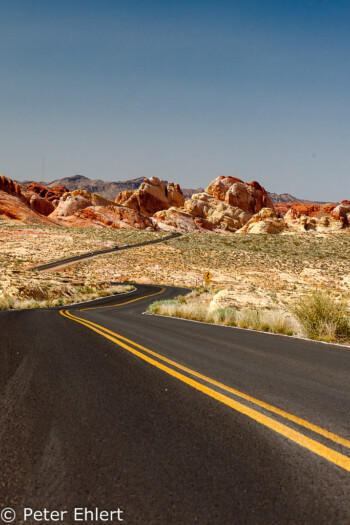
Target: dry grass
316 316
189 308
323 317
8 302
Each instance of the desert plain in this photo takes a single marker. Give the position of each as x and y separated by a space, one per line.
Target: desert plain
264 269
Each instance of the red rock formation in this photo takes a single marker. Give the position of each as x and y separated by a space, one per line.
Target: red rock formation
342 212
265 221
77 200
223 216
40 205
310 209
50 194
318 217
153 195
281 208
174 219
15 205
220 186
11 187
248 197
107 216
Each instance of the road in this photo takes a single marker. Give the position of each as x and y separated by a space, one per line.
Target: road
173 422
88 255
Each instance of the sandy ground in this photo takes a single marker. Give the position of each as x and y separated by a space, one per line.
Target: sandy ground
253 270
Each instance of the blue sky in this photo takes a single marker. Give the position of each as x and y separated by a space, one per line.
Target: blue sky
183 90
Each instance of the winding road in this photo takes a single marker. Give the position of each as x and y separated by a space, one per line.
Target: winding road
171 421
88 255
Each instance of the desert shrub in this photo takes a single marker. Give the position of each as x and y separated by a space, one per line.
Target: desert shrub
157 306
322 316
277 322
181 299
248 318
4 302
85 289
225 316
57 302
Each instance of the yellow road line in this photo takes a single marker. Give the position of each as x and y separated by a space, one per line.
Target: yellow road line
121 304
299 421
293 435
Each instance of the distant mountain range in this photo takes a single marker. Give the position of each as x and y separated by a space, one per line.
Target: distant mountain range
107 189
110 190
284 197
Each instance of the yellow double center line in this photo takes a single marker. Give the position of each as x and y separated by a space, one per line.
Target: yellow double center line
121 304
297 437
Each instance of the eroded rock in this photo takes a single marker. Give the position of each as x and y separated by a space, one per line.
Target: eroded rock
50 194
265 221
152 196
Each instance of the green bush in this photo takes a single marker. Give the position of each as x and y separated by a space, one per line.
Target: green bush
323 317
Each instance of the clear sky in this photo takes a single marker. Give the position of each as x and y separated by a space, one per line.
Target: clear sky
184 90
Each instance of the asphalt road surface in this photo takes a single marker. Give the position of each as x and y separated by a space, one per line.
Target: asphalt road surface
170 421
88 255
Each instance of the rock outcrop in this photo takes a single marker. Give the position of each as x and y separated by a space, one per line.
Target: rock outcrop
81 208
281 208
50 194
295 220
152 196
227 205
108 216
11 188
342 212
264 222
15 205
74 201
40 205
174 219
248 197
223 216
310 209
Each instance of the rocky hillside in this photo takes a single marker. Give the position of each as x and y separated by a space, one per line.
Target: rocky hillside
21 205
228 204
110 190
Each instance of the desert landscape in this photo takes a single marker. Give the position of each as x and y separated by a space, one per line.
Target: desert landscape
264 256
174 262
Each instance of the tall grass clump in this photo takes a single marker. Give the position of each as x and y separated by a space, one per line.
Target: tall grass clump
225 316
158 306
277 322
179 308
323 317
265 320
6 302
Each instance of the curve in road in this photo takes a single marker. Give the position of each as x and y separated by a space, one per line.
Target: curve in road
103 406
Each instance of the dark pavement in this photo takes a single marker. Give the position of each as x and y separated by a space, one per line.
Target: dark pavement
85 422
